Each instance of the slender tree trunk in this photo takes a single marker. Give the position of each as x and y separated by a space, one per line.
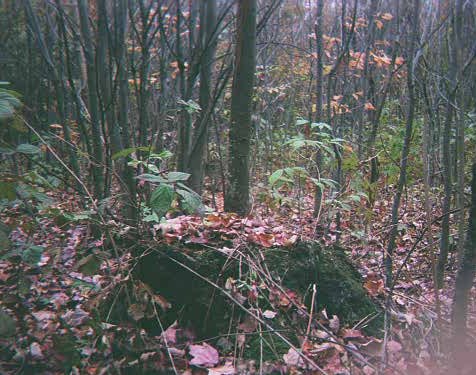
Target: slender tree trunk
447 172
208 15
465 278
237 196
406 146
319 93
123 103
97 157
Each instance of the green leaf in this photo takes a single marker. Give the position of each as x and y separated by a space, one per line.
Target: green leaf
7 325
190 106
166 154
8 190
320 125
191 201
275 176
177 176
152 218
89 265
8 103
128 151
152 168
161 199
301 122
32 254
26 148
152 178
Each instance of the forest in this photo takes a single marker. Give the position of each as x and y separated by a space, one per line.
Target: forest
237 187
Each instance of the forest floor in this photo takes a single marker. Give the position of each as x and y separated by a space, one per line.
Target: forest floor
57 275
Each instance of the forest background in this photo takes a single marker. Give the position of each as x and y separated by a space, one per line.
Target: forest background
128 124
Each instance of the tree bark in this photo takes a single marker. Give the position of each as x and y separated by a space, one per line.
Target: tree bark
237 196
465 274
208 15
98 158
406 147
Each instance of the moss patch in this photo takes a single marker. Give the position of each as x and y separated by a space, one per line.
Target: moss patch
197 304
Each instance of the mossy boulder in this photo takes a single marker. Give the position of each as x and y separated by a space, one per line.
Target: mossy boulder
339 284
168 272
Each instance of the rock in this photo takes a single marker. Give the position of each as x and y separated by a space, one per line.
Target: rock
198 304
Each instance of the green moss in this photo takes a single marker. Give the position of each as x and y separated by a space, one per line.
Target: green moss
198 304
339 284
273 347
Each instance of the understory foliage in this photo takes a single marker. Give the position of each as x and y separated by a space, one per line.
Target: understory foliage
225 187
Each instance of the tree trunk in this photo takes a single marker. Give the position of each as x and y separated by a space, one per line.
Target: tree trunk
237 196
406 147
208 15
465 275
319 91
97 168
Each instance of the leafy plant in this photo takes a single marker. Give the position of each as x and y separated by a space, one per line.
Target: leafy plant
170 188
8 102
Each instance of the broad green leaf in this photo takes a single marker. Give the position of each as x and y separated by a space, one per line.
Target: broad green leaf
191 202
152 218
152 168
128 151
26 148
89 265
7 325
320 125
166 154
8 190
302 121
32 254
177 176
152 178
275 176
330 183
354 198
190 105
185 187
161 199
8 103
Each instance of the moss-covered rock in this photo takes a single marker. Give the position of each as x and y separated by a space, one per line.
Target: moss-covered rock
339 284
167 270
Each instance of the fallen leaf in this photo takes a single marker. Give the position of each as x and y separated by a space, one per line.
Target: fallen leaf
35 351
369 106
170 334
203 355
248 325
136 311
334 323
43 315
226 369
351 333
293 358
394 346
269 314
75 317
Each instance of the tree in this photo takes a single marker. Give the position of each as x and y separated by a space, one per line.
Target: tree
237 194
465 275
406 144
208 46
